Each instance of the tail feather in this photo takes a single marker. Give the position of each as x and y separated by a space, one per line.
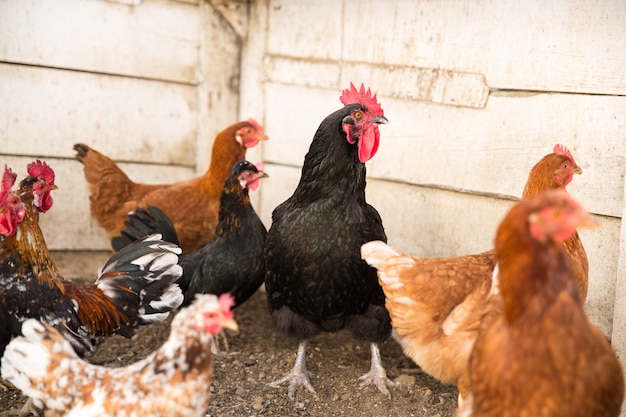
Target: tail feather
377 252
143 222
141 279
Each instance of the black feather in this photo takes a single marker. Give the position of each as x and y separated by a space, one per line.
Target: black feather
143 222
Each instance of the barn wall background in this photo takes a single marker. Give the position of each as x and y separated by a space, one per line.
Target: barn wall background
476 93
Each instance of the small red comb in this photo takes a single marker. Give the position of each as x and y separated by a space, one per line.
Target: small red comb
352 95
39 169
256 125
8 179
226 302
563 151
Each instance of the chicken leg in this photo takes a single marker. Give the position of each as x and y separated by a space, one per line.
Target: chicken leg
299 375
377 375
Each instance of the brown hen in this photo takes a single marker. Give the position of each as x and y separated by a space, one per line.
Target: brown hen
537 354
191 205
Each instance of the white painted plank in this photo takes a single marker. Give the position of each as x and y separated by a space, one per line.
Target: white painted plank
424 84
155 39
476 151
574 46
292 116
128 119
310 29
218 95
68 224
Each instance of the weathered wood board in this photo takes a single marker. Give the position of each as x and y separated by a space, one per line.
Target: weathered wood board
125 118
155 39
576 46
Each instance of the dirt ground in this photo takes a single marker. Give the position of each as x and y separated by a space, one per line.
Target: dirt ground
259 355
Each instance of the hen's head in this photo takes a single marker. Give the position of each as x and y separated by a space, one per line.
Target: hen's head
249 136
361 125
40 182
11 208
557 217
248 174
554 170
550 217
214 314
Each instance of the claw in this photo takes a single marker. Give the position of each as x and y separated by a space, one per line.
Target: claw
377 375
299 375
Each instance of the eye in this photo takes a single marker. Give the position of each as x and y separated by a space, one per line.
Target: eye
358 114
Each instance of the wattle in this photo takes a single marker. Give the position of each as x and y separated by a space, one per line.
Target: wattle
368 145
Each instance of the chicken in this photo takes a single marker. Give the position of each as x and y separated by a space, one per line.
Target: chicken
136 286
233 261
315 279
11 214
556 170
537 354
436 303
192 205
174 380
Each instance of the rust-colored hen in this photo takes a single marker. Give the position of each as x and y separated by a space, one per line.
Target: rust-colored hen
175 380
537 354
192 205
436 304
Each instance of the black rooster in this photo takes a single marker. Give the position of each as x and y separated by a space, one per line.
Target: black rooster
230 263
315 277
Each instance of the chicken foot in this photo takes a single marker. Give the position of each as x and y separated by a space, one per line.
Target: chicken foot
377 375
299 375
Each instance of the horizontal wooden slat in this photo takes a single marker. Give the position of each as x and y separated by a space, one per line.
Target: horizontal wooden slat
403 82
125 118
575 46
474 151
155 39
68 224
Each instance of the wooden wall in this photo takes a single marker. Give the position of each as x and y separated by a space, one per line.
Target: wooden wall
476 93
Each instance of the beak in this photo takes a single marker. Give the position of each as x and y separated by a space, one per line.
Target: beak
589 222
380 120
578 170
262 175
230 324
262 137
54 187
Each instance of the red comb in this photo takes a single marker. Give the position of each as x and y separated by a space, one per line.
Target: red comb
39 169
256 125
562 150
8 179
352 95
226 302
